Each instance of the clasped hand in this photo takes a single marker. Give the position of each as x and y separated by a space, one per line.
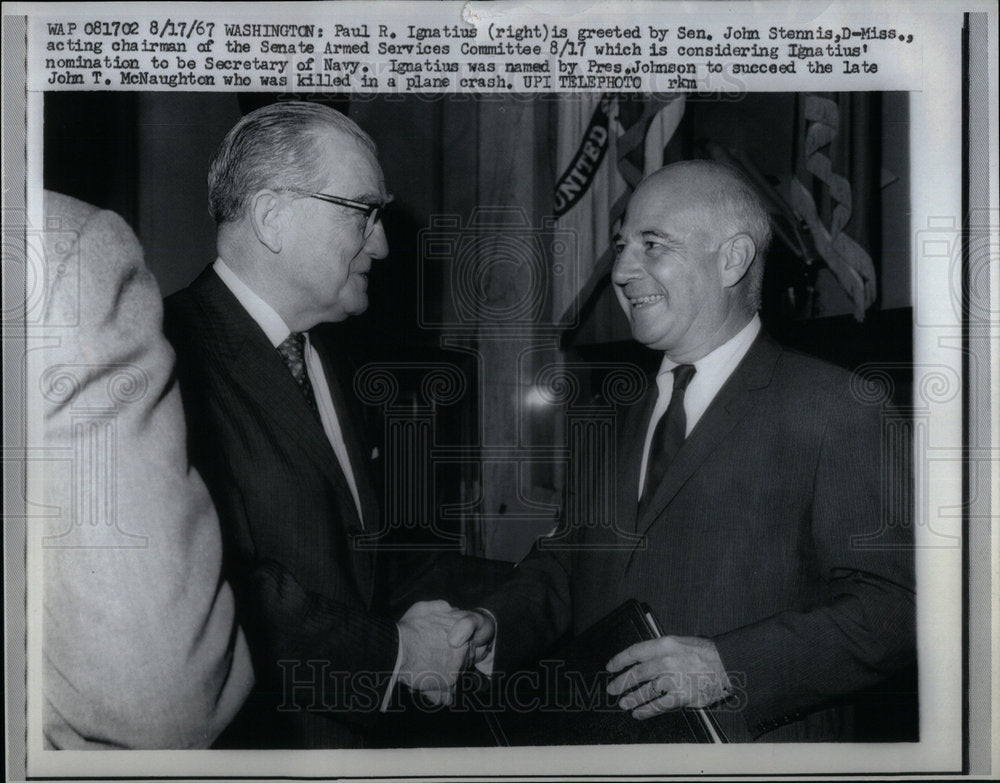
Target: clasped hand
436 643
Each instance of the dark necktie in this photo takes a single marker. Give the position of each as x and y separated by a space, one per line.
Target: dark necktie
292 350
668 435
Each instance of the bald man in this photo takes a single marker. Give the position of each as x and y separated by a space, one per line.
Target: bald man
749 490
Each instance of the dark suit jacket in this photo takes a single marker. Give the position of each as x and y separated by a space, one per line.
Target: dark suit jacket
767 535
323 652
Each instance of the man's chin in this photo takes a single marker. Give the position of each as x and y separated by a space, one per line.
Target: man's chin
357 307
648 338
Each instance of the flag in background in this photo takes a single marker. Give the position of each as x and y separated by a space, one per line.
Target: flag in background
605 145
845 257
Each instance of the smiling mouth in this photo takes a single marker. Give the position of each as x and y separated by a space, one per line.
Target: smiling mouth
638 302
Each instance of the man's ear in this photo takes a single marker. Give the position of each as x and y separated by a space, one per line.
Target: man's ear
737 254
267 215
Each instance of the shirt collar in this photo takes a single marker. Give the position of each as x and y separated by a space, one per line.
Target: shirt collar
262 313
737 344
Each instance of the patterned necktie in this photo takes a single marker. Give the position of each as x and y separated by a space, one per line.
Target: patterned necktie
292 350
668 435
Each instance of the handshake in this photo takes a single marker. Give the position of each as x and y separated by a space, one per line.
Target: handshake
437 642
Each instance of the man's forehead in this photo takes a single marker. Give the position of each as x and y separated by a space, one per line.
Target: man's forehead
666 206
675 188
350 162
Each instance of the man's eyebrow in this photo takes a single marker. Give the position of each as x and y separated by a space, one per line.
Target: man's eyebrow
650 232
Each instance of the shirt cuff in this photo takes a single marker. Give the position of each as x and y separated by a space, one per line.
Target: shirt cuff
387 699
485 666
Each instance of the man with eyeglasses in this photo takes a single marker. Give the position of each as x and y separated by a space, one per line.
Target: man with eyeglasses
296 191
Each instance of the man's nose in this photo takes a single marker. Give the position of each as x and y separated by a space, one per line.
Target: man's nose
625 267
377 245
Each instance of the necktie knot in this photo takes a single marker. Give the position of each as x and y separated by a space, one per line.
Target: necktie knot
683 373
293 352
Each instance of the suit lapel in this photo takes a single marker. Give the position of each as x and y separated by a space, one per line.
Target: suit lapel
339 376
730 405
253 363
631 440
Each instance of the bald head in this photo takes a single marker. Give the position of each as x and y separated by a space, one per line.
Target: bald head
730 205
689 258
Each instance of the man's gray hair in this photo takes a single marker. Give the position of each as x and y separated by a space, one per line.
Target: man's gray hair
273 147
740 205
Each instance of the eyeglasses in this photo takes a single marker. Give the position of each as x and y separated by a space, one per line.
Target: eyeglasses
373 212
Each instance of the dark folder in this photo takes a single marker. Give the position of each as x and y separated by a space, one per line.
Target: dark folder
565 702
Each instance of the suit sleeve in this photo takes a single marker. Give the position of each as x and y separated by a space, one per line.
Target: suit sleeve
316 653
312 651
140 646
534 608
862 534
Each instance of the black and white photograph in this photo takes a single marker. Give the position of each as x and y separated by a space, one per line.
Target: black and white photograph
444 390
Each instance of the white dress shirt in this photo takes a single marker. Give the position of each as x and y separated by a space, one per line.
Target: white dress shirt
277 331
711 373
